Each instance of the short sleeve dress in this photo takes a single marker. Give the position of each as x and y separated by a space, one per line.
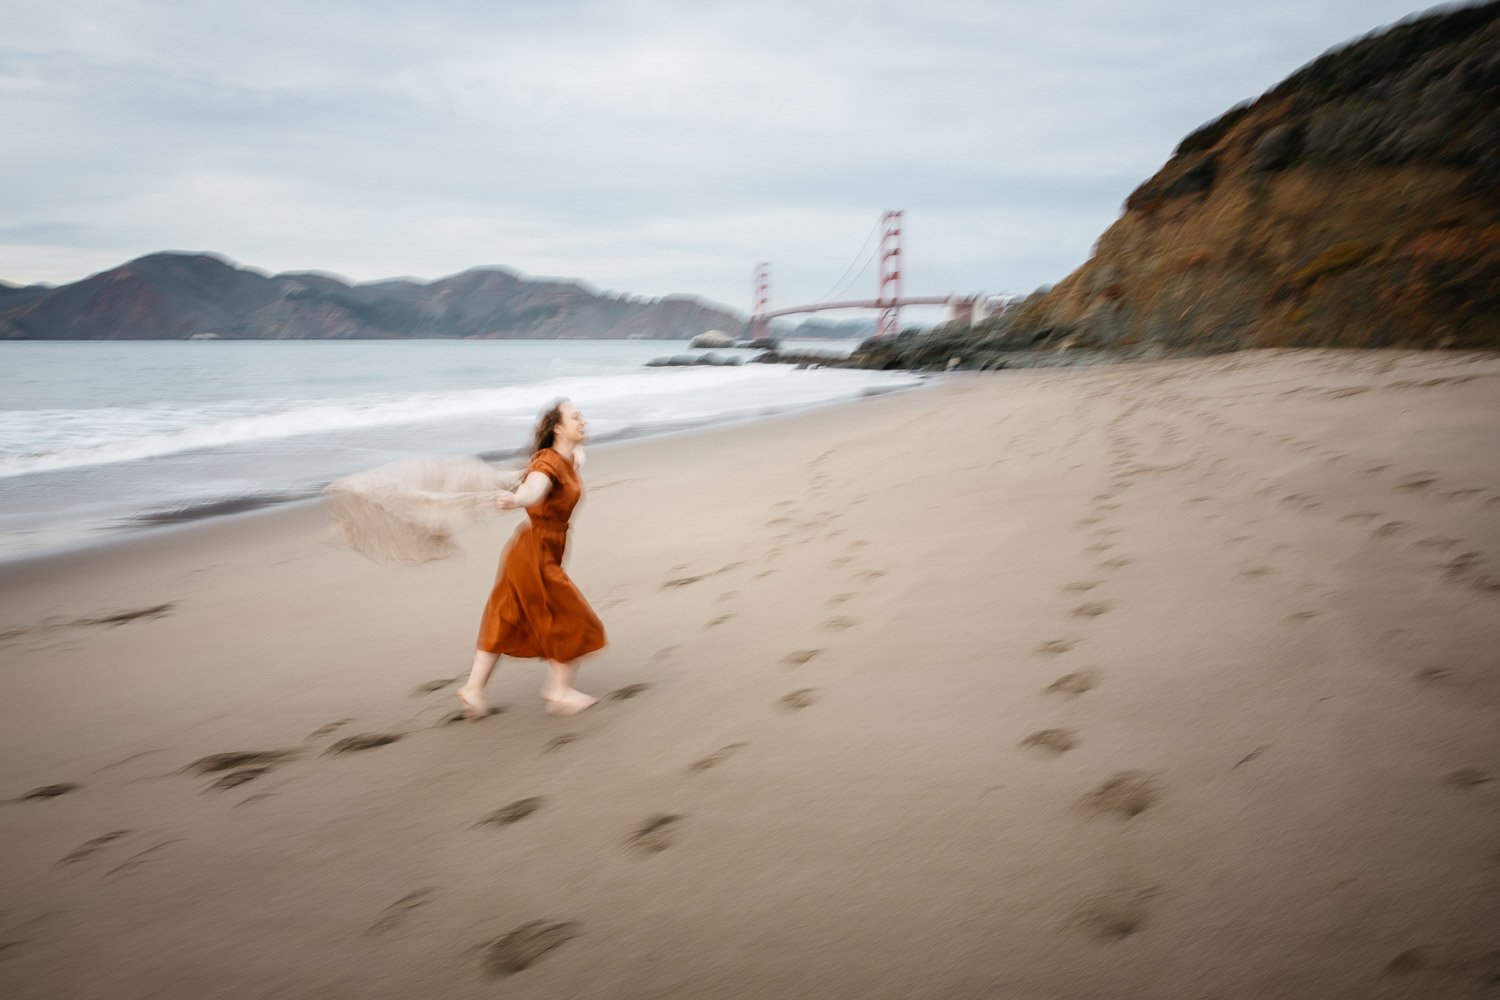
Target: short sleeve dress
534 610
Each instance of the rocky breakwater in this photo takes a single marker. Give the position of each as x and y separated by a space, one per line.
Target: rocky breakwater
1355 204
690 360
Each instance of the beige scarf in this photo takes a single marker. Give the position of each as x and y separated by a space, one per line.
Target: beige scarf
408 511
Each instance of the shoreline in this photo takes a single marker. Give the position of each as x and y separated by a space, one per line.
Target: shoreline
153 523
1160 680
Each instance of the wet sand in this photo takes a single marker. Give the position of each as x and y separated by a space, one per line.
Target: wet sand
1165 680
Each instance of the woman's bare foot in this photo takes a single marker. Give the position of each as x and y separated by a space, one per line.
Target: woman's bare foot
474 703
569 702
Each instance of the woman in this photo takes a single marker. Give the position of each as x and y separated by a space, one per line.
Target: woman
534 611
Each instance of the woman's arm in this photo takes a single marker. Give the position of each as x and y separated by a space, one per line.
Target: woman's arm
530 493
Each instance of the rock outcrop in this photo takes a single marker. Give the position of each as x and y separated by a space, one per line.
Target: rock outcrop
1356 204
714 339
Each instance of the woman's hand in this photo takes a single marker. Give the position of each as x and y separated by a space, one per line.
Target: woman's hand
505 500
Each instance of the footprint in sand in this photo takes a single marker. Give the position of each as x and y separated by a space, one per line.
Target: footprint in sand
462 715
235 779
656 834
719 620
627 692
363 741
140 858
1301 616
798 657
441 684
1251 756
247 800
1409 961
1126 794
1057 646
716 758
112 618
524 946
49 791
1433 675
1074 684
841 622
1469 568
1257 571
1417 481
1478 967
1361 515
1436 542
1093 609
1118 562
394 915
1116 914
1466 778
801 698
1390 528
328 727
840 598
1055 741
256 762
1079 586
558 742
513 813
89 848
1101 547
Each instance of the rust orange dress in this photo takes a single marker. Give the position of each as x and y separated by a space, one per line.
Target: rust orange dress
535 611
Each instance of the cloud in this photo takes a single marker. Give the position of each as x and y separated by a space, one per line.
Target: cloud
651 147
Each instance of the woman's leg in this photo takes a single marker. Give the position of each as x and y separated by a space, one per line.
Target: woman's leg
562 697
472 693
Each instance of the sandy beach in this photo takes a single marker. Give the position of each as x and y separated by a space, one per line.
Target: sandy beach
1163 680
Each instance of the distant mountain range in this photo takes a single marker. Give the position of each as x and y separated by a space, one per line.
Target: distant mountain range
176 296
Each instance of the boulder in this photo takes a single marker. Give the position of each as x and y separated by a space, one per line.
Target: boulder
713 338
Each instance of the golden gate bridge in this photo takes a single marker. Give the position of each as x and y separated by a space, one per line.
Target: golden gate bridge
888 298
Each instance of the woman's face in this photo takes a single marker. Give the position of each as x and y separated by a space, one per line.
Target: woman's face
571 428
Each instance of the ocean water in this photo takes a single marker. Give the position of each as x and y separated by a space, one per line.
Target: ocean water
98 438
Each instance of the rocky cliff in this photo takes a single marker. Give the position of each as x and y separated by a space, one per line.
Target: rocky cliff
174 296
1356 204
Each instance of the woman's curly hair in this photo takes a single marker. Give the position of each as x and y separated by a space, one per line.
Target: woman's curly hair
546 426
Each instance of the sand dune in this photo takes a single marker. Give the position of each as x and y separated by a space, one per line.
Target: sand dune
1166 680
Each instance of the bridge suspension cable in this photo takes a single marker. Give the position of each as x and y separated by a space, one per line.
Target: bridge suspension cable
865 253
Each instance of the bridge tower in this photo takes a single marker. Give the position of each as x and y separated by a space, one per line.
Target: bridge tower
889 299
760 327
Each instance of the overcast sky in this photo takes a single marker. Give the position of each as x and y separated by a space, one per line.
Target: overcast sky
647 146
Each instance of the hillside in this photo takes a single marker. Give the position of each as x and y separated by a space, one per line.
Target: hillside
1356 204
172 296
